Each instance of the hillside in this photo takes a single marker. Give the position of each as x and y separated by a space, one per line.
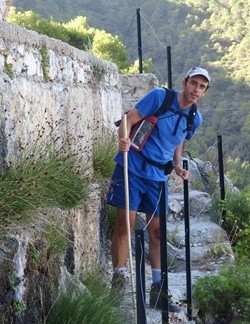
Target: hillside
214 34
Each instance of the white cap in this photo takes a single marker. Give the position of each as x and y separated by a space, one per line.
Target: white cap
198 71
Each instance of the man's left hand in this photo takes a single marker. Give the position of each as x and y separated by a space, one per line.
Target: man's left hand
184 174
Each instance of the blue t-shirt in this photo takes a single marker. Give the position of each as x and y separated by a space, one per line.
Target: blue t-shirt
161 143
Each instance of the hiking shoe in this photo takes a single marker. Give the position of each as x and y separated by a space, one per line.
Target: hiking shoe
118 284
157 298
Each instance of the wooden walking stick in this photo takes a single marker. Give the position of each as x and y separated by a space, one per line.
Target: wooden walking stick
125 155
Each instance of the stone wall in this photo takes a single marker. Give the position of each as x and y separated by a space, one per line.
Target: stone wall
135 86
47 85
4 6
50 90
52 93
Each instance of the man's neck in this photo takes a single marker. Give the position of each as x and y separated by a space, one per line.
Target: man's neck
182 101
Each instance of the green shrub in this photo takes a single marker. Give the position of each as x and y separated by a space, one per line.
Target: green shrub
103 157
89 306
42 180
226 295
239 173
235 210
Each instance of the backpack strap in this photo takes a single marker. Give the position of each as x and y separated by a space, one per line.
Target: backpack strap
191 117
167 102
166 105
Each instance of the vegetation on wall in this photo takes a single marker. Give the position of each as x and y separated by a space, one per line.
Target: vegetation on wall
45 62
93 304
42 179
8 68
104 151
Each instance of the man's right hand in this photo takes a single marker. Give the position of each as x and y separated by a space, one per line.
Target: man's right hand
124 144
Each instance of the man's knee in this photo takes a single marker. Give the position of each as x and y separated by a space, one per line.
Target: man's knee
121 221
154 230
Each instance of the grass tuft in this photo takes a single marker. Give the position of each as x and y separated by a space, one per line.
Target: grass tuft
103 157
38 181
92 305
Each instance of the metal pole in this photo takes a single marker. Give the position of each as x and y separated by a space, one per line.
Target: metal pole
221 169
163 239
140 276
187 245
139 39
169 67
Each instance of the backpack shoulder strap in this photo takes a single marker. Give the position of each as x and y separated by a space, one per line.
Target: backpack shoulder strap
169 97
191 116
166 105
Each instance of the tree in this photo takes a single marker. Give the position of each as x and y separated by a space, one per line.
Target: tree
134 68
32 21
110 48
80 34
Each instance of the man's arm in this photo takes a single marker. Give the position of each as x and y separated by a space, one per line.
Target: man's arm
132 118
184 174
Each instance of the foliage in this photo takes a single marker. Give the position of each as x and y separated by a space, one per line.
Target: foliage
235 210
56 238
99 69
32 21
110 48
77 33
146 67
18 307
219 249
239 173
103 157
225 295
90 306
45 62
42 179
8 68
80 34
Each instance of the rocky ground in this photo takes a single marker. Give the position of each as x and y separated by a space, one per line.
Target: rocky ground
204 235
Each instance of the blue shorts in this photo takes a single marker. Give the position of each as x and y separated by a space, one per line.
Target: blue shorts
144 195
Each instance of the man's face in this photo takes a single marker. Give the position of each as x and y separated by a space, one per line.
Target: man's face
194 88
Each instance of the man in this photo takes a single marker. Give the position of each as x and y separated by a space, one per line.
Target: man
164 144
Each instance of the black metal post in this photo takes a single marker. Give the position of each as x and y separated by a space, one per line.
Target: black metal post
139 39
187 245
163 239
221 168
169 67
140 276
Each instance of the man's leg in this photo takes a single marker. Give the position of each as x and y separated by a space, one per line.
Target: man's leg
120 250
154 241
120 238
154 248
156 299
